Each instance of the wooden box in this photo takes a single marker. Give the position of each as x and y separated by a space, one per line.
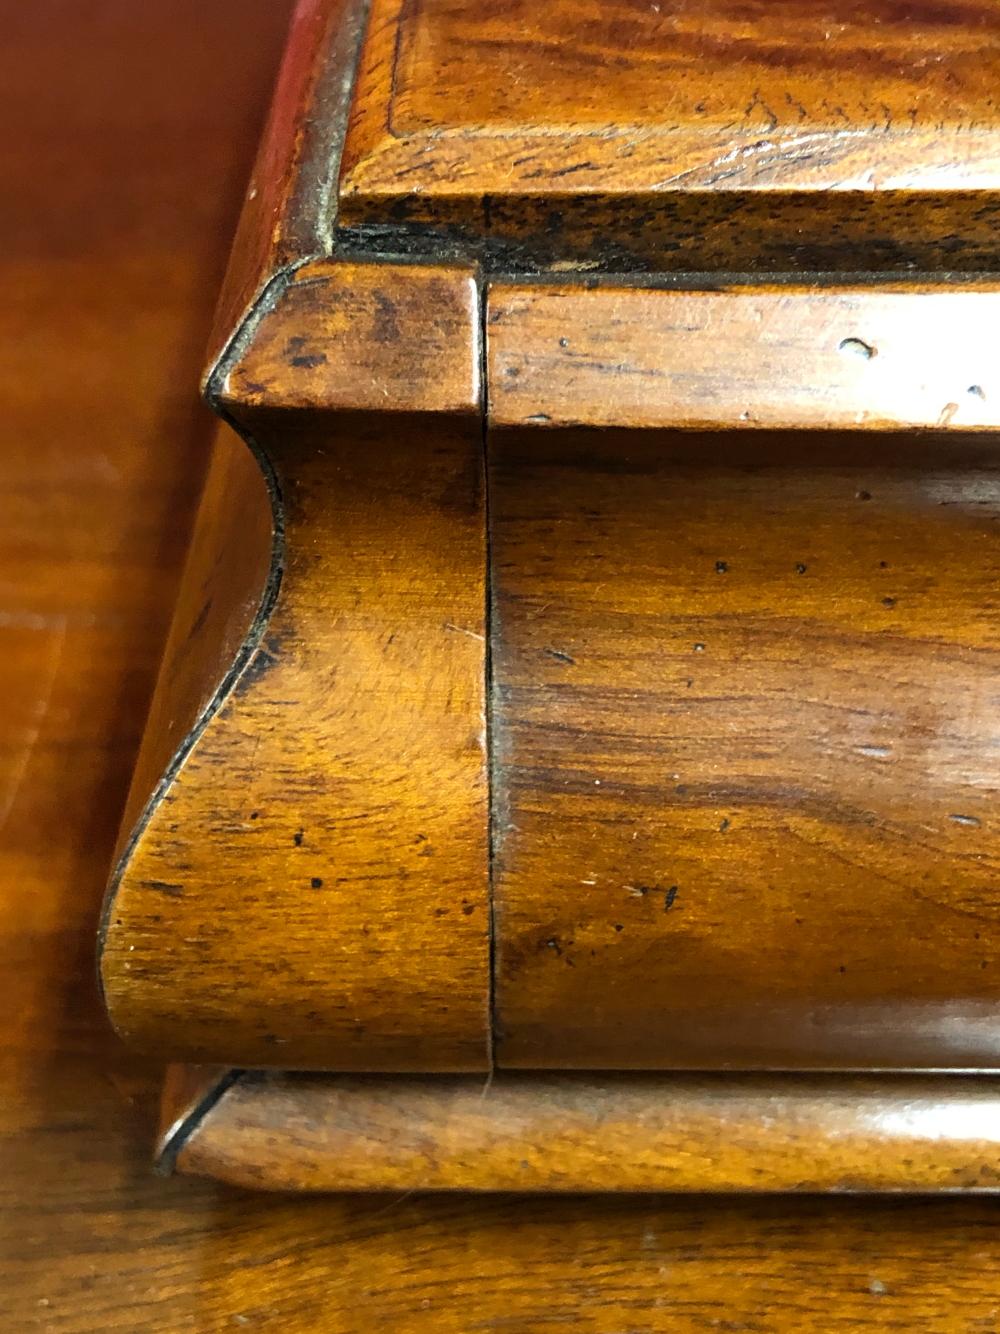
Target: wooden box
574 764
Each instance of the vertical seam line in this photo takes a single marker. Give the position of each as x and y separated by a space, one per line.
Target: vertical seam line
488 674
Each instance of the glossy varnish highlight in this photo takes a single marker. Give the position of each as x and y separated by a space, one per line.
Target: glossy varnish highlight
715 136
312 888
580 1133
745 736
889 358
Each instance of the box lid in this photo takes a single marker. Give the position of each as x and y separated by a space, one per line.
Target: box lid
725 134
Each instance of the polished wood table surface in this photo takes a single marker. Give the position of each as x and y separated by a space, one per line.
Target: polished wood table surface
130 132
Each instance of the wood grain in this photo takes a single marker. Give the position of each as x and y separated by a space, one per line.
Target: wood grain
339 795
875 358
744 721
290 200
225 578
585 1133
121 172
364 337
724 136
130 130
192 1256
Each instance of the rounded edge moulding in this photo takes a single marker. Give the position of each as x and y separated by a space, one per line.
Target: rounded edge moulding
588 1132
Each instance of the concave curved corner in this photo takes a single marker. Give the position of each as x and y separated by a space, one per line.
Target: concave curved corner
208 649
286 222
210 952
